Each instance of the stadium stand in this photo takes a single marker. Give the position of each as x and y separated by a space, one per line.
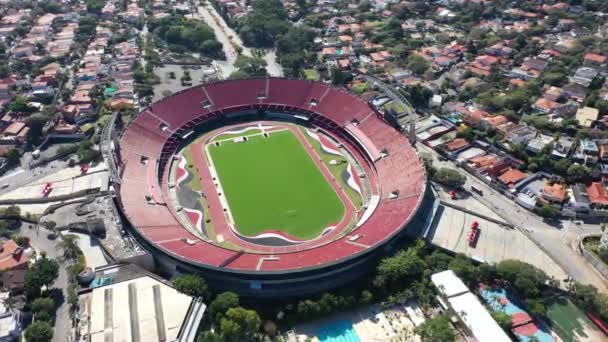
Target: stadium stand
150 141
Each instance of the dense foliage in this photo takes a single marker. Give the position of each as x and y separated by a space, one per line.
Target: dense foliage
262 26
181 35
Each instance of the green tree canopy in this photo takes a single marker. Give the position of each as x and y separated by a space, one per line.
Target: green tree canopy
220 305
251 66
449 177
239 324
417 64
39 331
437 329
42 273
525 278
392 271
264 23
192 285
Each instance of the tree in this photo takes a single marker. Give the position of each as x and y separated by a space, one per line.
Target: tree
437 329
366 297
251 66
392 271
525 278
577 173
42 273
39 331
21 105
95 6
209 336
192 285
547 211
12 156
417 64
239 324
339 77
220 305
449 177
69 246
264 23
43 304
86 152
36 123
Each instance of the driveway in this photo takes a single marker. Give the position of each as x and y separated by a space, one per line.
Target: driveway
40 243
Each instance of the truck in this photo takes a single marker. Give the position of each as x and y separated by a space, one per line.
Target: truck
476 190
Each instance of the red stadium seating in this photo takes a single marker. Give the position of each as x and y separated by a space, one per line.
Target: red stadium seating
395 170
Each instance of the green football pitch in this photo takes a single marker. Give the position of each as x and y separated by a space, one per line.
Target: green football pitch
273 184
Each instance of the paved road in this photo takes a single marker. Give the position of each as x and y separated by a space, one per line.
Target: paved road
21 176
559 241
40 243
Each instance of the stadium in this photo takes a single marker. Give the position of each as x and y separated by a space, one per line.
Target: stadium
269 187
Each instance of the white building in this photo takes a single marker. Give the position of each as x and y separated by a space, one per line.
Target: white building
10 329
455 296
127 303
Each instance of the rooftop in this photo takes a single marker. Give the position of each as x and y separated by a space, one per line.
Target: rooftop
466 305
126 303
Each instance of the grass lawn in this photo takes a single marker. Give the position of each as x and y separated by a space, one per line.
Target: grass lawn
273 184
336 170
397 107
311 74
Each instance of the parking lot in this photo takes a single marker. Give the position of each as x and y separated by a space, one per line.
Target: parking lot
495 241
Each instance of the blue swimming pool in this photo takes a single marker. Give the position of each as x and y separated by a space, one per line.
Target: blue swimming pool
337 331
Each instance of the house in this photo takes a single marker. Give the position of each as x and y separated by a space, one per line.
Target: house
553 94
584 76
586 116
538 143
587 152
474 117
456 144
554 193
578 200
575 92
562 147
13 257
494 121
489 164
596 192
511 177
522 135
126 290
545 106
595 60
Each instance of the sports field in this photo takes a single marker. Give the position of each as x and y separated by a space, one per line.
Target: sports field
272 183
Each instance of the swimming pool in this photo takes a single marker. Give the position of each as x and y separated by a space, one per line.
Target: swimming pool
500 300
337 331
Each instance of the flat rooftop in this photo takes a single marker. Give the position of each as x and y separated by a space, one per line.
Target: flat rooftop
125 303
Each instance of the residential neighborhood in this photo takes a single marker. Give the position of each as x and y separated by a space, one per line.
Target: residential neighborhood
502 103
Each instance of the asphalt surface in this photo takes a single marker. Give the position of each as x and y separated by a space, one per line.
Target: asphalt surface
21 176
559 241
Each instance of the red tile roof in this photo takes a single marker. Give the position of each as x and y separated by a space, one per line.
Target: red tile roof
511 177
12 256
597 193
456 144
594 57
